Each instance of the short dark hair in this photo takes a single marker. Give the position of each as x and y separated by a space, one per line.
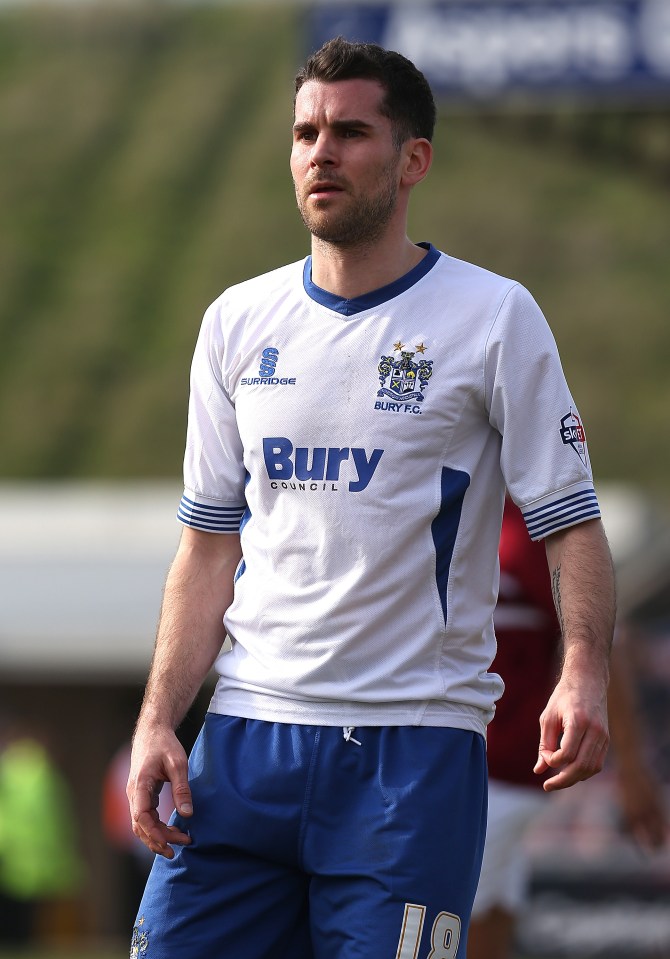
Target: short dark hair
408 101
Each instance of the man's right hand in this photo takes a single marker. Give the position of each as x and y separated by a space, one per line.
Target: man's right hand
158 758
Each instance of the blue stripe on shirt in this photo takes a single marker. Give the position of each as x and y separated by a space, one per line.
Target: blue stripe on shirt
563 512
213 519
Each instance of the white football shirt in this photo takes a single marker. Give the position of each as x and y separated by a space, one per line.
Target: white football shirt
363 447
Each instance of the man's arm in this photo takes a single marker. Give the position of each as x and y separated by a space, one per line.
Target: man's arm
198 590
573 727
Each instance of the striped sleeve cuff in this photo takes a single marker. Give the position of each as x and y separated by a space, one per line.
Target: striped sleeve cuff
560 511
209 517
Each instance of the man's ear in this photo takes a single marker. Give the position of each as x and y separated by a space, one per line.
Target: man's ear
418 156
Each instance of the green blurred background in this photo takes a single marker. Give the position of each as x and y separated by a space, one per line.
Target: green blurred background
144 167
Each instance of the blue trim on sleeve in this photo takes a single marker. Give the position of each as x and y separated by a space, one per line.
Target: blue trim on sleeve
561 513
210 519
369 300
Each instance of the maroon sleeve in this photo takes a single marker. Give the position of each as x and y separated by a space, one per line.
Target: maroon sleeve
527 658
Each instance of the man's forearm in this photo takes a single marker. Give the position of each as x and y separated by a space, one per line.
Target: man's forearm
198 591
190 634
582 579
573 725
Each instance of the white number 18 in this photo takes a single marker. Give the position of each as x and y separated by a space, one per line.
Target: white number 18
444 938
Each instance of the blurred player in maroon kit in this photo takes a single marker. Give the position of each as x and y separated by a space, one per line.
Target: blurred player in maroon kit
528 659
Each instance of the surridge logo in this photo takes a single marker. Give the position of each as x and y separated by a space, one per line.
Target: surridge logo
403 379
266 371
269 358
572 434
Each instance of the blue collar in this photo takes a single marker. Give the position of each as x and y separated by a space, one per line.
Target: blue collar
375 297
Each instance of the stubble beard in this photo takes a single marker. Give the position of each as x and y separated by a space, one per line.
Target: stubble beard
359 224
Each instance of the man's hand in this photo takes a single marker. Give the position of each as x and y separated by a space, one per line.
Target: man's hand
158 757
573 736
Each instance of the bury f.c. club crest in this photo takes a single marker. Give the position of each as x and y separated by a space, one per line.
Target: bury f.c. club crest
403 378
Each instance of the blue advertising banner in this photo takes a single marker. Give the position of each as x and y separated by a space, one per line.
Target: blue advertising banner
488 49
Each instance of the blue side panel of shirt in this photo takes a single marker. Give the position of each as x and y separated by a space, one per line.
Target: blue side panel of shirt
445 527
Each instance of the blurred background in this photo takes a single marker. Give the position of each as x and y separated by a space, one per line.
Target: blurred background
143 168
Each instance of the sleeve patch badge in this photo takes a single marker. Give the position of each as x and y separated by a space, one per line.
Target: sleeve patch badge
572 434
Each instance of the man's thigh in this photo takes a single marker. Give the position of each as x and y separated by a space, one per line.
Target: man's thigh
246 909
393 838
236 891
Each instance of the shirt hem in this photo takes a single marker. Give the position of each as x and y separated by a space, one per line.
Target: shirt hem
320 713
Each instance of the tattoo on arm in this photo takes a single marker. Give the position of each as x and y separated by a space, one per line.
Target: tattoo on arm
556 592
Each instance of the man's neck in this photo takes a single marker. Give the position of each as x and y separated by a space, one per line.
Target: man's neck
350 273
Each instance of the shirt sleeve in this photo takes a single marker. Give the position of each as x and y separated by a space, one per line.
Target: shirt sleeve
544 455
214 475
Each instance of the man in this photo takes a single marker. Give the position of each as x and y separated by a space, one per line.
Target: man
353 421
528 637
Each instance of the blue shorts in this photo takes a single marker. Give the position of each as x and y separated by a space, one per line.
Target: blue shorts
309 845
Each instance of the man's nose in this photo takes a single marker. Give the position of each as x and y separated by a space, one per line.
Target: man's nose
324 151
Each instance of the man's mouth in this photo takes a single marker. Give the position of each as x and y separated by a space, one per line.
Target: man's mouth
324 189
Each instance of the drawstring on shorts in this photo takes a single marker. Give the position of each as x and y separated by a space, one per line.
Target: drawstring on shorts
348 731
